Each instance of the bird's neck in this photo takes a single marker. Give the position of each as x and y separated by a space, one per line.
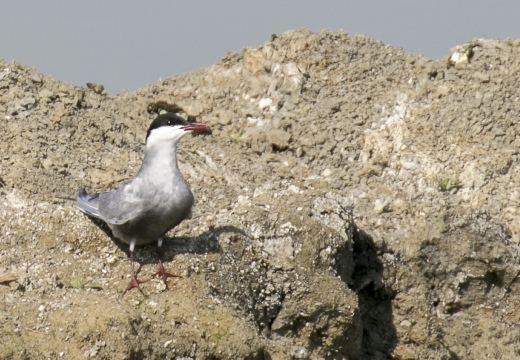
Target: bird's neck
161 160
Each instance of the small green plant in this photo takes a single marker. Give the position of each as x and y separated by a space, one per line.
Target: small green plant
77 283
237 137
219 335
445 183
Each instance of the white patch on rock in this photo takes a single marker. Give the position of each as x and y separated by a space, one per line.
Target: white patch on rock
265 103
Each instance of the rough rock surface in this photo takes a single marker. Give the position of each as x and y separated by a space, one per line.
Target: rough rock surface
353 202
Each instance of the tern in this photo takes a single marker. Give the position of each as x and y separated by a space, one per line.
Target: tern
154 201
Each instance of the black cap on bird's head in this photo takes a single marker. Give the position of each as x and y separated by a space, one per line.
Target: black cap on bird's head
174 121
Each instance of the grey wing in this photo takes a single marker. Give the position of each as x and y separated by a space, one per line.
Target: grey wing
88 203
124 204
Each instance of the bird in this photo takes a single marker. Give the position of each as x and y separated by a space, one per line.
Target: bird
154 201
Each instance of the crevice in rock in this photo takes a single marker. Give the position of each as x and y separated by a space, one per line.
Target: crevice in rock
375 300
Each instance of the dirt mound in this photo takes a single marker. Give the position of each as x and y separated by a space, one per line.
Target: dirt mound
352 201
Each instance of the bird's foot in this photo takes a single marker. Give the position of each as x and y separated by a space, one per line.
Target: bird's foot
163 273
134 283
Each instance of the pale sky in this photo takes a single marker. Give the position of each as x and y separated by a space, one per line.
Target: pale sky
127 44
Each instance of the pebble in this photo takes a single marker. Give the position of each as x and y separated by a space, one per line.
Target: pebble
380 206
327 173
27 101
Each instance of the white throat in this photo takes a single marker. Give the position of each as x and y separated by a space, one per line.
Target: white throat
160 157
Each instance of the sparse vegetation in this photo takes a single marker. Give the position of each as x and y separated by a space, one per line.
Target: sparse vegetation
237 137
77 283
447 183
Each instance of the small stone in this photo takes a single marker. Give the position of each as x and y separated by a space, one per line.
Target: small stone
265 103
380 206
406 323
193 109
45 93
299 152
482 77
35 77
26 101
160 286
458 58
279 139
224 118
326 173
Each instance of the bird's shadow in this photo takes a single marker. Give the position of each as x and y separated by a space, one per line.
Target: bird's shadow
205 243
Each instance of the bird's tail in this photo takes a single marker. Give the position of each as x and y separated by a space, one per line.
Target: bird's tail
88 203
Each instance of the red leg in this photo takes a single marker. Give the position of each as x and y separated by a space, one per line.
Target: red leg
160 269
134 283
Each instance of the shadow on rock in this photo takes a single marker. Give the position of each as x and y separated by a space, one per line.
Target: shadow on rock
206 243
375 300
202 244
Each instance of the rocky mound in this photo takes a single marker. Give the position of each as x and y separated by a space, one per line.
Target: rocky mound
352 201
